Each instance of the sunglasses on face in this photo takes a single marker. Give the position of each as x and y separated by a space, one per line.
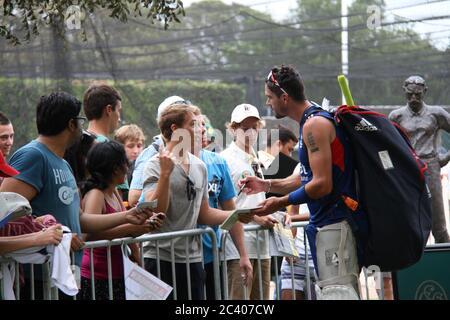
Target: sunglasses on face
271 78
190 189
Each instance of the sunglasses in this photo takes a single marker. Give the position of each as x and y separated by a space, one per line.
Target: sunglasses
80 119
271 78
190 190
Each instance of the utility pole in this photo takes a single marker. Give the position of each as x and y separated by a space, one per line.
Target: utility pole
344 40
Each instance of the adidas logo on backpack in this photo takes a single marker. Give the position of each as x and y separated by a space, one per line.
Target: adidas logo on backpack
365 125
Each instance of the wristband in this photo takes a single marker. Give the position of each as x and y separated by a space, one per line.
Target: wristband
270 186
299 196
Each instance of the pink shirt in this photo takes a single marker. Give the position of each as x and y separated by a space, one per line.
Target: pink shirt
100 259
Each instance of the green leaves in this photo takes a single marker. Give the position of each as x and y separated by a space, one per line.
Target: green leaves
23 19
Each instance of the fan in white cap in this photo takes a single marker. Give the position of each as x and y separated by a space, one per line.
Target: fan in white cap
244 111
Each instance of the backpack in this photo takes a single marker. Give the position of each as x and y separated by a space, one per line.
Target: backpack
391 188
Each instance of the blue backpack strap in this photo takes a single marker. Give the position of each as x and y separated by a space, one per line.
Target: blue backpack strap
316 110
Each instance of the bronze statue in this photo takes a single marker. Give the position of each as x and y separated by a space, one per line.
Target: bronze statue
422 123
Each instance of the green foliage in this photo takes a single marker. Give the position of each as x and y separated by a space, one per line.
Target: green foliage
18 100
22 19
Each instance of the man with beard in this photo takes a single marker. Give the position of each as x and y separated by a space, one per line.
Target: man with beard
423 123
326 175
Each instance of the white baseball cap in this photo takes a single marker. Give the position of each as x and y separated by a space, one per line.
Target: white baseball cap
12 206
244 111
169 101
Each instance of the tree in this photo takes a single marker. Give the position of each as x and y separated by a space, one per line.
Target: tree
383 56
22 19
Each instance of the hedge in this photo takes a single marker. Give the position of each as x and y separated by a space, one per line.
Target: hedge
140 100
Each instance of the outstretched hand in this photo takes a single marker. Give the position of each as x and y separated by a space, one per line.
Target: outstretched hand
268 206
138 215
246 217
253 185
156 221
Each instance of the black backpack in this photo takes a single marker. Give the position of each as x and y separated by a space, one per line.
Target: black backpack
391 188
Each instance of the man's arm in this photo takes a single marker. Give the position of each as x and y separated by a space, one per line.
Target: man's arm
211 216
137 183
255 185
133 197
286 185
18 186
318 134
93 204
52 235
92 221
237 235
237 232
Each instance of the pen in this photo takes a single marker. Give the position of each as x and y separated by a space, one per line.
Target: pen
242 188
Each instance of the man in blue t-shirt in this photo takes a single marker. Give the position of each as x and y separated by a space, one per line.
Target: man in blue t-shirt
45 178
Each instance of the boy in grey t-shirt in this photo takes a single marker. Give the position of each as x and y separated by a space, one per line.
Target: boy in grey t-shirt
182 212
178 180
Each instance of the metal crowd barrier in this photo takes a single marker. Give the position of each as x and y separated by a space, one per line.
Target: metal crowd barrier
49 293
274 259
157 237
52 293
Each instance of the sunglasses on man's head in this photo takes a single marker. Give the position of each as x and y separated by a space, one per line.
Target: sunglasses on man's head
271 78
81 120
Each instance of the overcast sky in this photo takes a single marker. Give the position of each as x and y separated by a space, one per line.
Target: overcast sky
439 29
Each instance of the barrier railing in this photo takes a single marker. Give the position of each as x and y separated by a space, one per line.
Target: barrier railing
50 293
258 229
